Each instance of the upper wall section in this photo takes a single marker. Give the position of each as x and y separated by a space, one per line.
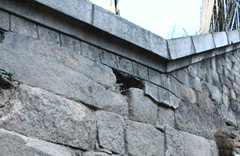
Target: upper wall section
94 25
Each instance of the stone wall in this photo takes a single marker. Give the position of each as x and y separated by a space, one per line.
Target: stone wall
72 85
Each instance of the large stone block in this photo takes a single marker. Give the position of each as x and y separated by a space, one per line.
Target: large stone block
23 26
188 94
110 131
220 39
80 9
46 116
228 115
203 42
13 144
125 65
141 107
71 44
4 20
154 77
46 66
108 59
140 71
151 90
90 51
167 98
233 36
195 145
181 47
144 140
49 35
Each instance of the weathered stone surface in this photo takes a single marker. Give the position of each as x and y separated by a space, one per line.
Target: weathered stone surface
80 9
166 116
55 66
108 59
140 71
174 142
195 145
205 102
144 139
228 115
154 76
180 47
24 27
203 42
97 154
141 108
181 76
110 131
4 20
70 43
90 51
233 36
188 94
195 84
49 35
151 90
220 39
125 65
167 98
179 63
34 114
15 144
198 121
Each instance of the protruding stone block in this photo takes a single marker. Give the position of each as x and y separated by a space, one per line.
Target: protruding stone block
110 131
181 47
141 108
140 71
154 77
144 139
168 99
70 43
90 51
108 59
220 39
233 36
4 20
23 26
166 116
203 42
125 65
151 90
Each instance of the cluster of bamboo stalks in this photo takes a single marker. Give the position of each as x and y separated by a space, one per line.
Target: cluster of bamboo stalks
225 15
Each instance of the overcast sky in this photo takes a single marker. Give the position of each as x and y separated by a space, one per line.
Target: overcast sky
158 16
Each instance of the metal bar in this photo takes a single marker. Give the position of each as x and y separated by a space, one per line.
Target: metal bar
117 10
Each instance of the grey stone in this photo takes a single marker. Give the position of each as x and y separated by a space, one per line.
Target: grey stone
80 9
233 94
108 59
225 100
174 142
34 115
4 20
49 35
144 139
200 57
15 144
203 42
90 51
81 79
181 76
24 27
181 47
165 81
110 131
125 65
179 63
141 108
70 43
188 94
164 96
154 77
233 36
166 116
228 73
140 71
225 90
195 145
176 86
174 101
224 80
228 115
97 154
151 90
195 84
236 88
215 94
204 102
122 28
220 39
213 148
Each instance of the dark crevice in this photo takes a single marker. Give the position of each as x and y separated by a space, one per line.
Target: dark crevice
1 35
126 81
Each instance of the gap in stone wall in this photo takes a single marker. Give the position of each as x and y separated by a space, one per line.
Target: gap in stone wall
126 81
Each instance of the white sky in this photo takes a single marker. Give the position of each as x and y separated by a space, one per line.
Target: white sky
158 16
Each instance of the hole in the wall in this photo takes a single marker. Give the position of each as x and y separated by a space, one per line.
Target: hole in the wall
126 81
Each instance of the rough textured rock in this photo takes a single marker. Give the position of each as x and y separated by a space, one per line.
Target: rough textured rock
13 144
97 154
110 131
166 116
44 115
174 142
195 145
188 94
144 139
46 66
141 108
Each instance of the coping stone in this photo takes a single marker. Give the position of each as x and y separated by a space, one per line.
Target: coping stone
4 20
49 35
233 36
181 47
176 64
203 42
79 9
220 39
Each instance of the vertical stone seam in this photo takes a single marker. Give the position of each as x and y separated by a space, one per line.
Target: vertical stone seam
193 46
214 41
93 10
38 37
10 22
169 54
